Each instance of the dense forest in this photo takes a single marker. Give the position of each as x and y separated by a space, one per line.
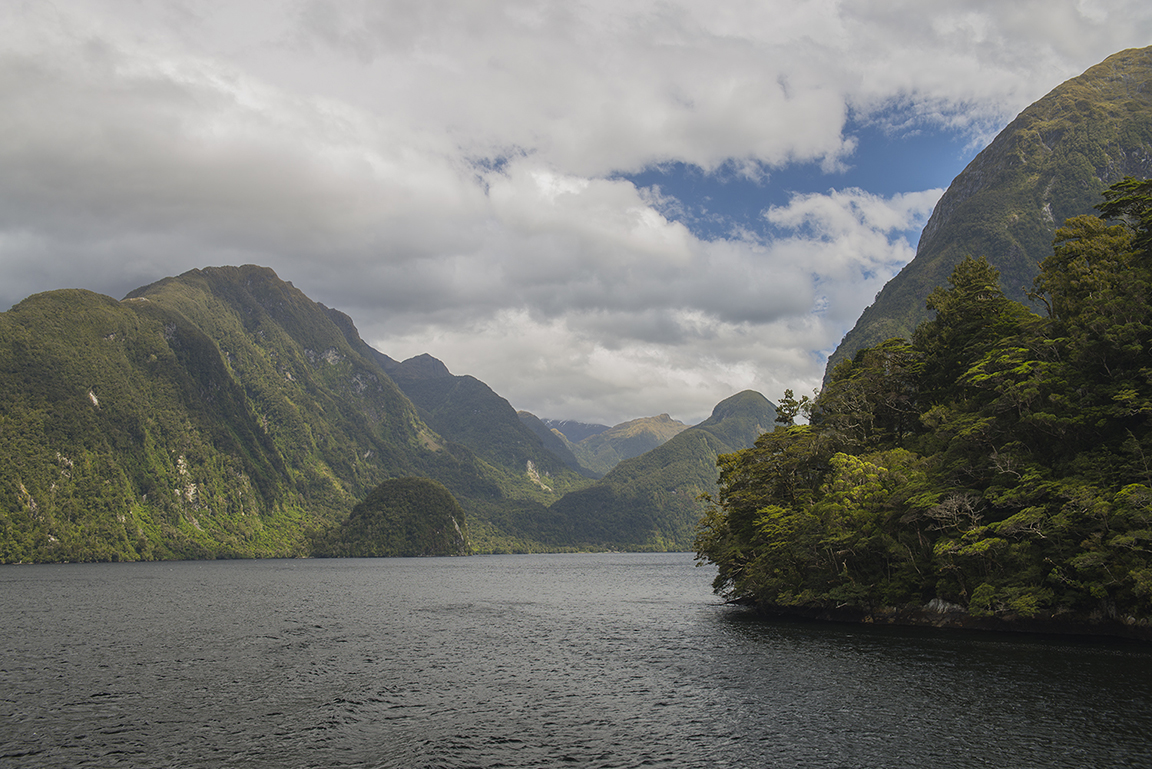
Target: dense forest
996 466
402 517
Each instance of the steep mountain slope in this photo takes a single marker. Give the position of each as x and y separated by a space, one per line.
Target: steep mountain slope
130 431
555 442
465 410
1049 164
217 414
650 502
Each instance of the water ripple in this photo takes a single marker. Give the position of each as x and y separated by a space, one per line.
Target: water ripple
521 661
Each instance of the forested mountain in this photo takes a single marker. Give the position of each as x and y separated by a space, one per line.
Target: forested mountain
994 468
602 448
465 410
651 502
555 442
1047 165
217 414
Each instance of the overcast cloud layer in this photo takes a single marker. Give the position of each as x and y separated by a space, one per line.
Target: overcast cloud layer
450 173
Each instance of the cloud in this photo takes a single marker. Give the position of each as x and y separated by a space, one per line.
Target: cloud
595 335
449 173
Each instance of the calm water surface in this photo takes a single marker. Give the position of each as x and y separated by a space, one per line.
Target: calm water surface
509 661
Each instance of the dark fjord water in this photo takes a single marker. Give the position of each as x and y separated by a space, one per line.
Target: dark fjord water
586 660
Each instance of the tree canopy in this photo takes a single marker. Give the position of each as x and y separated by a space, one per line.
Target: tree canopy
999 460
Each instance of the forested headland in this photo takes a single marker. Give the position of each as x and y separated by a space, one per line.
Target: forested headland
995 469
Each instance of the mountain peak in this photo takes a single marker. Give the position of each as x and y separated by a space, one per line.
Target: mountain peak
422 366
1049 164
745 403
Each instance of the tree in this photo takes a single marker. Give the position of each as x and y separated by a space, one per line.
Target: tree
1131 202
871 401
1000 460
788 408
971 316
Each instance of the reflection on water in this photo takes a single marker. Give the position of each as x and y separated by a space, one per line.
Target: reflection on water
594 660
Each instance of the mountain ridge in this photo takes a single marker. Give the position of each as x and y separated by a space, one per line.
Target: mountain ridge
1048 164
652 502
223 413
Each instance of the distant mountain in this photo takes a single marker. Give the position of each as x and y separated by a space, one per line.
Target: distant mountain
1047 165
602 448
575 431
650 502
465 410
606 449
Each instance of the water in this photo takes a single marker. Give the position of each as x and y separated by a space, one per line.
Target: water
509 661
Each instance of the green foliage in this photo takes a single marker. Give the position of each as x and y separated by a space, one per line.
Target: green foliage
1131 201
999 461
788 408
401 517
653 501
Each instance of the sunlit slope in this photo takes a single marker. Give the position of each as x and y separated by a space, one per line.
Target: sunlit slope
650 502
603 451
1049 164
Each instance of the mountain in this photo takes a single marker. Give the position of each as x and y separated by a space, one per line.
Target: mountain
1049 164
575 431
220 413
465 410
555 442
651 502
604 450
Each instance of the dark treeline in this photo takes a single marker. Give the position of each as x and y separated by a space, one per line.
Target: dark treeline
999 460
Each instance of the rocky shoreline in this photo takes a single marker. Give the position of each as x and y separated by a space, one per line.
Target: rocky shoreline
942 614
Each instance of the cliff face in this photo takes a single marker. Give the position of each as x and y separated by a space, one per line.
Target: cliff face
1047 165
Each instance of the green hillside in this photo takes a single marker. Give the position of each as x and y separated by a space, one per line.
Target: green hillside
217 414
603 451
651 502
1049 164
401 517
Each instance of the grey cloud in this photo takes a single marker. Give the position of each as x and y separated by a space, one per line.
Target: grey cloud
338 143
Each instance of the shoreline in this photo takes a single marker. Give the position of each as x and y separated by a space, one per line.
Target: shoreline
939 614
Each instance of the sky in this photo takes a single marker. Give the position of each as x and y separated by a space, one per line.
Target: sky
604 210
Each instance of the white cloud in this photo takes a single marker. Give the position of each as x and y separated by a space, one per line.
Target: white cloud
729 315
445 172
